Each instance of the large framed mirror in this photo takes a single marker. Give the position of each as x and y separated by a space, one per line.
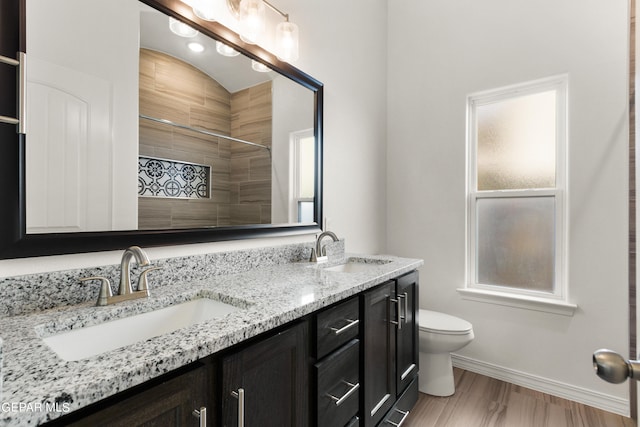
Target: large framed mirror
132 138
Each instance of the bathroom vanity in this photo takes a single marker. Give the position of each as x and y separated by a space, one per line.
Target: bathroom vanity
306 343
309 344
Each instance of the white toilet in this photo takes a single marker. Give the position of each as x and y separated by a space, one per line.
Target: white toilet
439 335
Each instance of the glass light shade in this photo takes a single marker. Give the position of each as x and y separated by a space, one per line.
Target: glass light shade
225 50
204 9
252 20
259 66
181 29
287 41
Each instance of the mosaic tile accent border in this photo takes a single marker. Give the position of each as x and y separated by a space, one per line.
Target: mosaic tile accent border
173 179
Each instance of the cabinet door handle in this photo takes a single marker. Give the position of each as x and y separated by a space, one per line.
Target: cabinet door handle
201 414
240 396
397 302
407 372
404 417
405 298
351 324
340 400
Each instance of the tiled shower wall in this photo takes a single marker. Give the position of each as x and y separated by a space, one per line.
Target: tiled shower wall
251 114
241 175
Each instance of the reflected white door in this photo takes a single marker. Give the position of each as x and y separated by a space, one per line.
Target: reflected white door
69 150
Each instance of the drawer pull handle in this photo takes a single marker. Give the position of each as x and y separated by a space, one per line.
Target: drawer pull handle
404 417
240 396
201 415
351 323
340 400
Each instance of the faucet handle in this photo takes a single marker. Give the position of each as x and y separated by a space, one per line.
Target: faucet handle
143 283
105 289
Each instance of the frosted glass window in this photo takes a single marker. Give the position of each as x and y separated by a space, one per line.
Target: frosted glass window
516 142
516 242
305 212
306 162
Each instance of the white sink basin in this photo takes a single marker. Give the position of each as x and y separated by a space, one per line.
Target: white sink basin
357 265
85 342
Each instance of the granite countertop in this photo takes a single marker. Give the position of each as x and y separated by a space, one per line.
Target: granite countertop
39 386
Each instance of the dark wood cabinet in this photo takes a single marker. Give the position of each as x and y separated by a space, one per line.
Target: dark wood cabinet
337 371
390 348
170 402
379 353
267 383
407 331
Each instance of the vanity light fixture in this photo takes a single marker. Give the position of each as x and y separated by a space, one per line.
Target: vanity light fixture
259 66
225 50
195 47
181 29
287 41
204 9
250 14
251 20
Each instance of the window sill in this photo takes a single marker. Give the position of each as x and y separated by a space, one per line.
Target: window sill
519 301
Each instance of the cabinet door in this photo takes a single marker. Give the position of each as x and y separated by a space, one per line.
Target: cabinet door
169 403
379 353
407 341
268 382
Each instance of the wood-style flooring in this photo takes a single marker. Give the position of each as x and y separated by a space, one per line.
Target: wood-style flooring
481 401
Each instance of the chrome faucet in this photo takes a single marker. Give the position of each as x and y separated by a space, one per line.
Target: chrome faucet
125 292
319 253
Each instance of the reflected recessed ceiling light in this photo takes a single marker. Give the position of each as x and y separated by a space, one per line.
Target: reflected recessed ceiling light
181 29
225 50
196 47
259 66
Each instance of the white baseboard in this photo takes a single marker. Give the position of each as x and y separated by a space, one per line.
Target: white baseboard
602 401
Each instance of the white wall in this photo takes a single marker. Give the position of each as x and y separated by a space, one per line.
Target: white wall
346 53
348 44
292 112
438 53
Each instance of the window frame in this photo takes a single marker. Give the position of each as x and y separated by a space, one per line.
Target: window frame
294 188
500 293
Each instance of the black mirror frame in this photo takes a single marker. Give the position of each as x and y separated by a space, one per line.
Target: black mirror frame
16 243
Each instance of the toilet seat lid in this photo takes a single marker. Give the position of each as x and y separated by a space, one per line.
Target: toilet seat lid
433 321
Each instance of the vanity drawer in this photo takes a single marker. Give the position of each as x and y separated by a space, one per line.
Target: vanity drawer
353 422
338 382
336 326
402 408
